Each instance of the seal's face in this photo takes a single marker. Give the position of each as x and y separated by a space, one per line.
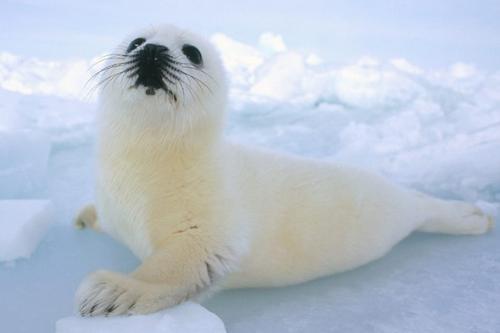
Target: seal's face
155 67
162 71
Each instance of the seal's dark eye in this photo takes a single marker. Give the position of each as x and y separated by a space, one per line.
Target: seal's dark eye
135 44
192 53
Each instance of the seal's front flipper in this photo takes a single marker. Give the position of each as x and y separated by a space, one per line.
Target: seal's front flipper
87 218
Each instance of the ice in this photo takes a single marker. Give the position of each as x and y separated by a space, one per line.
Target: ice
185 318
23 224
23 163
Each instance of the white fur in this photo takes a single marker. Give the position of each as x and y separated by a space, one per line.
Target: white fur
202 212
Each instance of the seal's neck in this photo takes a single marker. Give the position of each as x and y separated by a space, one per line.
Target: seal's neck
155 143
166 135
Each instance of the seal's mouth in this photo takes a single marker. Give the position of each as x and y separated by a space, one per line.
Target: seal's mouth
155 69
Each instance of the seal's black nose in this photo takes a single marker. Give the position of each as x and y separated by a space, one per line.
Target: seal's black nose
151 60
154 49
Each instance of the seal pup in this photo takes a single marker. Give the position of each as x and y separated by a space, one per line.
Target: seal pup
203 213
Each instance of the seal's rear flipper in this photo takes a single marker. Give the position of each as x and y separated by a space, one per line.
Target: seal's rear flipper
459 218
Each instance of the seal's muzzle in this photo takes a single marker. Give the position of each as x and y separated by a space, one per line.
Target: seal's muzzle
150 62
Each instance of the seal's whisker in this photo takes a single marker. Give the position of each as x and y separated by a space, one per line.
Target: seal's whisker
165 75
99 61
181 84
92 78
193 95
114 66
106 80
112 56
105 69
190 66
197 80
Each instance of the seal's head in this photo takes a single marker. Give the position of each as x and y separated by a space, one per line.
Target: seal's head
166 78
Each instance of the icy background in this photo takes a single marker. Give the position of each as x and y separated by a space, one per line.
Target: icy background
414 96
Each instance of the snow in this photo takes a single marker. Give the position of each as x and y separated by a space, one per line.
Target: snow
23 224
23 163
31 75
433 129
24 156
185 318
60 121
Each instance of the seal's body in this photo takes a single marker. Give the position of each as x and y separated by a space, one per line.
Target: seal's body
202 212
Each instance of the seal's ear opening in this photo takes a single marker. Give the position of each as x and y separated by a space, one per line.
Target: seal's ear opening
193 54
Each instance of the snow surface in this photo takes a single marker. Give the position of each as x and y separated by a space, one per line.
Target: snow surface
186 318
23 224
436 130
24 155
